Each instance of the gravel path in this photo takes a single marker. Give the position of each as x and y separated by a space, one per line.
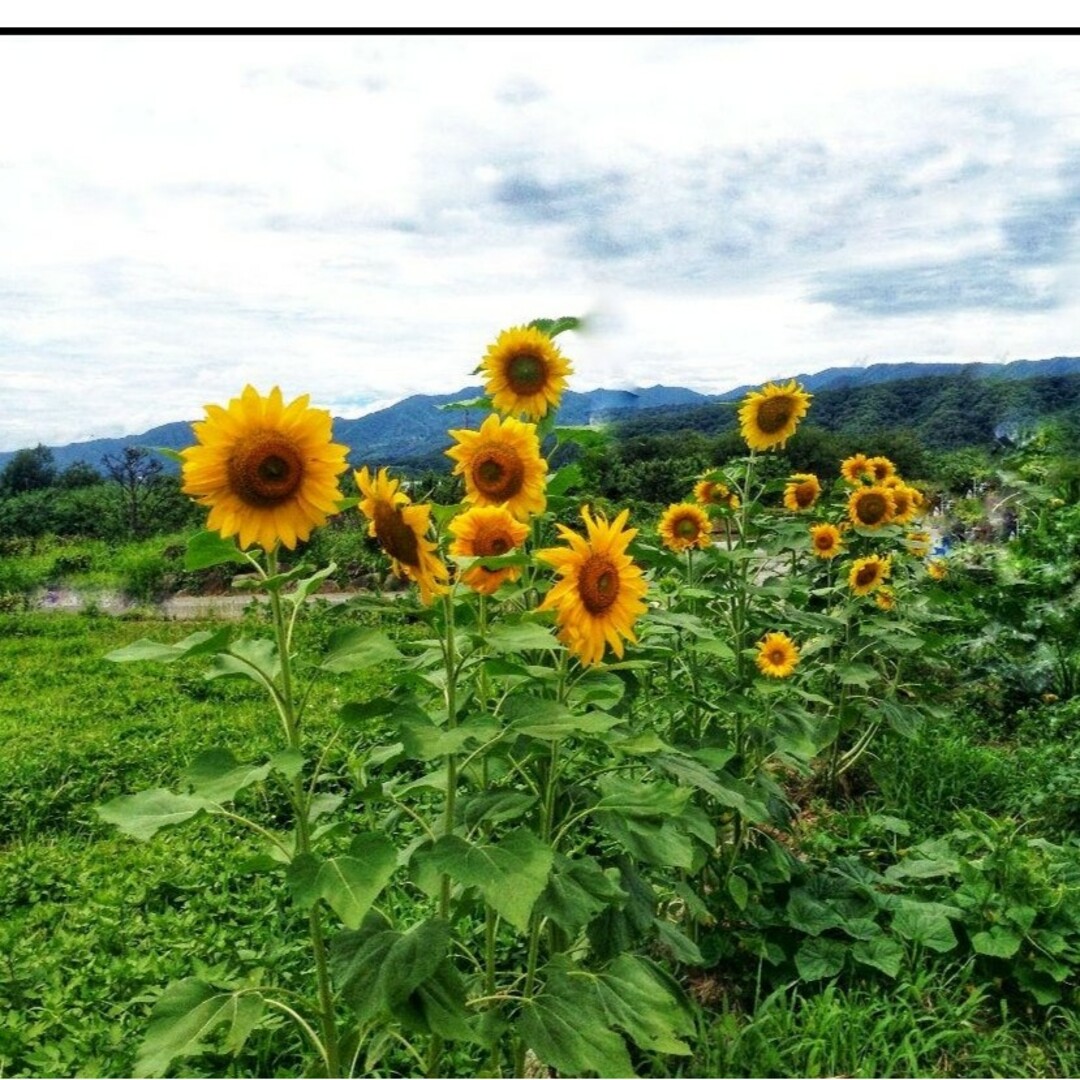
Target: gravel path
229 606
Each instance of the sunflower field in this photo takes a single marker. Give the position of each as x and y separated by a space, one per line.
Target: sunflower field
703 794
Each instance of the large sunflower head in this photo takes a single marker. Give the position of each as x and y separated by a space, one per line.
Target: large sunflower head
267 470
868 574
486 531
777 656
526 373
716 493
856 469
600 592
768 417
825 541
401 529
802 491
871 507
882 468
501 463
684 526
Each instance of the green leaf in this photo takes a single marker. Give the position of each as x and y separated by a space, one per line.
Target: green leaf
424 741
167 452
922 869
882 953
659 842
414 957
206 549
806 913
351 883
569 476
440 1000
143 814
494 807
517 637
577 891
724 788
633 798
199 644
358 648
999 941
856 674
254 659
546 719
739 891
820 958
216 775
510 874
306 587
926 924
554 327
680 946
482 404
186 1014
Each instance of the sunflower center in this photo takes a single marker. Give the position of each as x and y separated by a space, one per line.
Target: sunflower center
526 373
598 584
866 575
777 657
498 473
687 528
487 544
394 535
823 542
265 469
805 495
774 414
872 508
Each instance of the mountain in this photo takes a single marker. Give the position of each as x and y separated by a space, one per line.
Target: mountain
415 430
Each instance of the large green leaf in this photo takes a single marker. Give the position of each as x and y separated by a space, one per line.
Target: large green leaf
810 915
184 1017
885 954
349 883
577 891
820 958
724 788
998 941
141 815
358 648
252 658
549 720
199 644
206 549
510 874
636 798
517 637
554 327
926 924
656 841
424 741
218 776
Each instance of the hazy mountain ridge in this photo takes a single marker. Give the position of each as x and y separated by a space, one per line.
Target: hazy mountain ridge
417 428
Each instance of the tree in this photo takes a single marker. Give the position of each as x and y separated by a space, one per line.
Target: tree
28 470
137 473
79 475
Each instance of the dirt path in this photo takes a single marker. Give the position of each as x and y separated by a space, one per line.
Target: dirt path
229 606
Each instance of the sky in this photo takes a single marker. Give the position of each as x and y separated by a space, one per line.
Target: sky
356 217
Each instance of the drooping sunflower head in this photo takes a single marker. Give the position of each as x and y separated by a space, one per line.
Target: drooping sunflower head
856 469
871 507
401 529
938 569
601 590
777 656
825 541
267 470
768 417
868 574
526 373
882 468
501 464
885 598
802 491
684 526
486 531
716 493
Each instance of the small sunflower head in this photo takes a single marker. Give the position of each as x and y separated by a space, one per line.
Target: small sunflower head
882 468
483 532
856 470
825 541
885 598
871 507
768 417
711 493
868 574
777 656
802 491
526 372
938 569
685 526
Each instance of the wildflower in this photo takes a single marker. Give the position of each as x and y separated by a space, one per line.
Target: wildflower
685 526
526 372
487 531
768 417
825 540
868 574
777 656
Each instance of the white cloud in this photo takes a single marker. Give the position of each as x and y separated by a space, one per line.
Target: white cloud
356 217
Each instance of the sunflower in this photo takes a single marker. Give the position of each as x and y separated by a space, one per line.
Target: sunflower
600 594
685 526
777 656
918 544
768 417
526 373
871 507
487 531
856 469
401 529
885 598
715 493
501 463
267 470
825 540
904 503
802 491
868 574
938 569
882 468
